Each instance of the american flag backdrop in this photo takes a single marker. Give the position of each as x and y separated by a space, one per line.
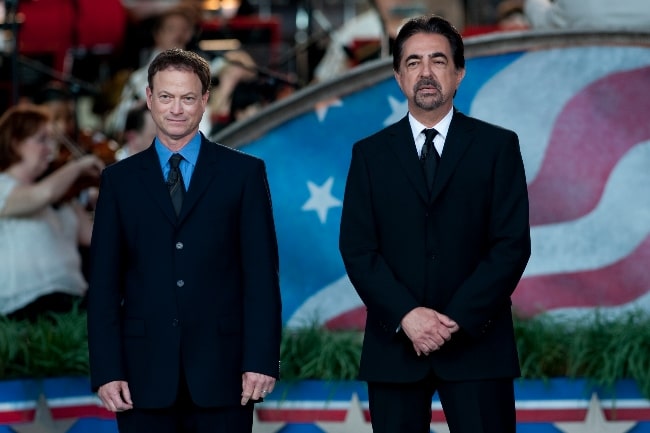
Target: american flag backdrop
582 115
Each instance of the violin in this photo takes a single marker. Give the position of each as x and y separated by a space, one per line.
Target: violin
88 142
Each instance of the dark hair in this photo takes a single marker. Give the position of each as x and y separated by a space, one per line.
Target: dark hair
247 93
181 60
53 92
431 24
17 124
135 118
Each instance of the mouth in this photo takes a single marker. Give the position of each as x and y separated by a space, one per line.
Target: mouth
427 87
427 91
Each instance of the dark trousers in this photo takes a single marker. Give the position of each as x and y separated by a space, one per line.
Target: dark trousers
483 406
186 417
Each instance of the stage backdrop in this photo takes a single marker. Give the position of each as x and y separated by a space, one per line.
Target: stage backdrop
579 103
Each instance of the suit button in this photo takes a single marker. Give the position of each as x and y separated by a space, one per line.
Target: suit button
175 323
180 283
179 245
433 257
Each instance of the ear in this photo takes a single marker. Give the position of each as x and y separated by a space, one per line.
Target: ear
149 95
459 76
397 78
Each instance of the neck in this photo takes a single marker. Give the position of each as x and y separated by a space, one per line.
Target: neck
176 144
429 118
20 174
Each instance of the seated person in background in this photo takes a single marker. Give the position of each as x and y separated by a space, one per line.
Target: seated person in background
173 29
366 28
142 19
40 264
508 16
139 131
588 14
230 69
67 117
247 98
511 16
364 37
62 107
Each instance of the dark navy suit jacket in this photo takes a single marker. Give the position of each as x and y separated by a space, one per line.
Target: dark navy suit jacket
199 291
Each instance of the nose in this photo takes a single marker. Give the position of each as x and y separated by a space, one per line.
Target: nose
427 70
177 106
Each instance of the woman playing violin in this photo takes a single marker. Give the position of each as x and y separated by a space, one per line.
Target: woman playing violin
40 264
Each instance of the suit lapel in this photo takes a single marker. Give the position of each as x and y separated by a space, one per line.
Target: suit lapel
458 140
407 156
204 172
152 177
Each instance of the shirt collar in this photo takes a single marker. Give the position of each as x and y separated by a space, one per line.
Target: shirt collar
189 152
442 127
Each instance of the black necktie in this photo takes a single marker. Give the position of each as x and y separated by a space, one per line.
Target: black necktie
429 157
175 182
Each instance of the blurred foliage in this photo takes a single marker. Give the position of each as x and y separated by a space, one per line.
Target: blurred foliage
600 349
597 349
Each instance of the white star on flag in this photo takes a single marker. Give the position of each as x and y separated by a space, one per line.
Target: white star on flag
355 420
43 420
595 422
323 107
398 110
321 199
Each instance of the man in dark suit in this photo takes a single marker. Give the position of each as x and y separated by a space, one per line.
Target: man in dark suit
435 246
184 317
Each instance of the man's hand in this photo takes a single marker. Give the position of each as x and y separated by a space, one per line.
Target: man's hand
255 386
115 396
427 329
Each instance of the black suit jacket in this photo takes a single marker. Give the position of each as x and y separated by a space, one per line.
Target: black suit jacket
460 250
200 290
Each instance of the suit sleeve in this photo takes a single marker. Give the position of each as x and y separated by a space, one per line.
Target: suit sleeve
104 296
260 265
487 290
384 296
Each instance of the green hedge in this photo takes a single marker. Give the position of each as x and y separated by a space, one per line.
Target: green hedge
601 350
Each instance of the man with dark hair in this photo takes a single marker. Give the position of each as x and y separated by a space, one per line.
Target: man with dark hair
435 237
184 314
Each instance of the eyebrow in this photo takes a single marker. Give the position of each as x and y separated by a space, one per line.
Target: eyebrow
433 55
438 54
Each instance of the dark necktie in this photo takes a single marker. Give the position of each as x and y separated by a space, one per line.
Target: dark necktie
175 182
429 157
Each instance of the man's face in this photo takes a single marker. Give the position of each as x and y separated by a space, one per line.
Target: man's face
176 103
427 74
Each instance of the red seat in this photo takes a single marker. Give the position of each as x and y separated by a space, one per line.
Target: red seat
53 27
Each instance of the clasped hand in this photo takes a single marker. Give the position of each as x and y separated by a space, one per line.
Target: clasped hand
427 329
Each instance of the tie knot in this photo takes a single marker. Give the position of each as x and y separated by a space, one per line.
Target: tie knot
429 134
175 160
